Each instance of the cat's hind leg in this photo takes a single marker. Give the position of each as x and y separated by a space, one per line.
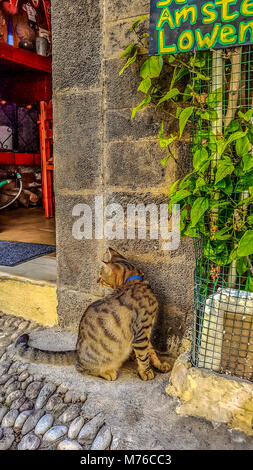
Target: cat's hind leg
161 366
143 360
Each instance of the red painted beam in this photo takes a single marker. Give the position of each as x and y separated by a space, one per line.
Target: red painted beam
25 58
13 158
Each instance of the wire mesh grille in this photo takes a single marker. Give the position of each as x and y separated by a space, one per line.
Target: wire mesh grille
19 130
223 294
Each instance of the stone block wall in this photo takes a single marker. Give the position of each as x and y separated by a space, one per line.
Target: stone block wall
98 150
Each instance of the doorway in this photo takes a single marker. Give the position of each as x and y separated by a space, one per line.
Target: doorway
26 140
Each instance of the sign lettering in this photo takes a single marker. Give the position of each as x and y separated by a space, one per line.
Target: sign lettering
195 25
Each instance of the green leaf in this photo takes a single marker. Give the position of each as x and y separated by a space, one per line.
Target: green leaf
130 61
161 130
200 206
250 132
178 111
226 185
210 115
247 162
249 220
247 200
173 188
214 98
191 232
137 22
224 167
217 251
246 116
242 146
177 76
184 117
128 51
200 76
219 203
168 96
200 184
249 284
171 58
165 160
188 92
199 158
242 265
223 234
244 184
183 219
188 182
233 255
152 67
232 138
179 196
162 140
145 85
144 103
198 60
167 142
245 247
232 127
229 187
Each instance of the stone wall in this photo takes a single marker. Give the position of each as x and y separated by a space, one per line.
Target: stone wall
99 150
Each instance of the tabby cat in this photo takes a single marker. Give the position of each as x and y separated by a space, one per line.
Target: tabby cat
111 328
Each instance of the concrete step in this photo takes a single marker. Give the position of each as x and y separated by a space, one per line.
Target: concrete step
32 299
42 268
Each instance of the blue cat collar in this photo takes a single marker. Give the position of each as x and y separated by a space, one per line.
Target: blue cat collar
133 277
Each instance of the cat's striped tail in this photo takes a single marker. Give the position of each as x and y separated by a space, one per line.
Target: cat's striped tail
57 358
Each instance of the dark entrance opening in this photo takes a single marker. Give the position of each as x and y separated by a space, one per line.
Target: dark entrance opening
26 141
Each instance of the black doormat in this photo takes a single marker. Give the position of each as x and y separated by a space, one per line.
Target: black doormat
14 253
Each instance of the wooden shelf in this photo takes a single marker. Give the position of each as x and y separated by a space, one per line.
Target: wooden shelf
10 55
26 77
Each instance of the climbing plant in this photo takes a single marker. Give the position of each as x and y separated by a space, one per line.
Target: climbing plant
216 196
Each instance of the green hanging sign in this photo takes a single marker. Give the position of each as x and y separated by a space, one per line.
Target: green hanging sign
188 25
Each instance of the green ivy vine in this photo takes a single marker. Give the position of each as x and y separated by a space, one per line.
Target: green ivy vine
216 196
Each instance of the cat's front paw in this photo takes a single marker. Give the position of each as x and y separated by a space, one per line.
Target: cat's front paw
109 375
147 374
164 367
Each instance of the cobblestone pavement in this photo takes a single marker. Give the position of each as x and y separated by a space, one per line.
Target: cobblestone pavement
41 409
35 413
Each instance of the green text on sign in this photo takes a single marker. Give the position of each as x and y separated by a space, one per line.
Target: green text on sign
188 25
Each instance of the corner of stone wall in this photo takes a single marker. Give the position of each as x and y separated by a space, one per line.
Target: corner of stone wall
98 150
206 394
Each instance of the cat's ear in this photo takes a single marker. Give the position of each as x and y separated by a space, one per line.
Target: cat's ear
109 267
105 264
114 255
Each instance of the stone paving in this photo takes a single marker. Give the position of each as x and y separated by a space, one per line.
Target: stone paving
35 413
49 408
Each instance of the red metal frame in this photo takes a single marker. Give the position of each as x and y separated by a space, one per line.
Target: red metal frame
47 165
13 158
25 58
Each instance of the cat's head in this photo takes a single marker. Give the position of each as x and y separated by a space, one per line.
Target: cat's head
115 272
